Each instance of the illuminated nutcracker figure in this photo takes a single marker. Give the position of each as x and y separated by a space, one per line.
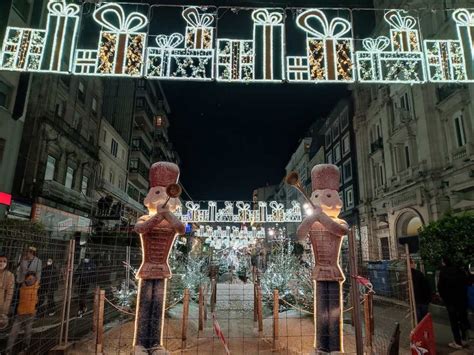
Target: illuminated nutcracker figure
325 231
158 231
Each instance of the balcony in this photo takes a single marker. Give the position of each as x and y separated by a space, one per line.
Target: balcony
139 145
58 192
377 145
139 173
121 195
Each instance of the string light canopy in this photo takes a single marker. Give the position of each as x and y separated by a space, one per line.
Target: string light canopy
329 53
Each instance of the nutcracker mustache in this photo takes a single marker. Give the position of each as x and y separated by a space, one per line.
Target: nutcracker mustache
293 179
173 191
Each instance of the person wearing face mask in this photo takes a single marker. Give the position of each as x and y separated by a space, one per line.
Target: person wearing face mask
49 285
26 312
7 287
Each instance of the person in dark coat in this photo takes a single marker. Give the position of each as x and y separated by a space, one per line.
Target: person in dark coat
452 287
49 285
422 291
85 277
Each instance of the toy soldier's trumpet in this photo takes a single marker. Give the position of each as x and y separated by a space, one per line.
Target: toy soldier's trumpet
173 191
293 179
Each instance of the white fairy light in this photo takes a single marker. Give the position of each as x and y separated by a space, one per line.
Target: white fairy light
239 212
238 60
329 55
224 237
405 62
121 48
188 57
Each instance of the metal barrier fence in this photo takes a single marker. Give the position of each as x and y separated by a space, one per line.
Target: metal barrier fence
222 307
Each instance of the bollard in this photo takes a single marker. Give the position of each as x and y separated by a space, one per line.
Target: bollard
369 320
276 313
259 309
201 308
184 327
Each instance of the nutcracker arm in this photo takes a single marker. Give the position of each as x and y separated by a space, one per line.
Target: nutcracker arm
175 222
145 225
333 226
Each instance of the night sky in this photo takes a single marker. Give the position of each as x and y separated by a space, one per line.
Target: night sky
233 138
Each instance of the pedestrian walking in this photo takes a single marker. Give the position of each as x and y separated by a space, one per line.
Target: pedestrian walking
26 312
49 285
452 287
86 276
422 291
7 287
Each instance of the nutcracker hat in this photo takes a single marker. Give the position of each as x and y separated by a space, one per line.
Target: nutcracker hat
163 173
325 177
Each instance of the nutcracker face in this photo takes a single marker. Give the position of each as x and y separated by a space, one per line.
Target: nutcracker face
328 200
157 197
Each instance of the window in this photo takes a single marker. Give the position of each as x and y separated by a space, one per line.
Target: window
385 248
59 111
327 138
123 154
113 147
69 177
335 130
120 183
133 164
337 153
111 176
104 135
141 84
459 128
347 170
94 106
76 121
344 119
407 157
50 168
329 158
381 175
4 94
159 121
405 102
346 144
84 184
349 194
140 102
81 92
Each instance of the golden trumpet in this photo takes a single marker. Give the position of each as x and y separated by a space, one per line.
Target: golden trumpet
293 179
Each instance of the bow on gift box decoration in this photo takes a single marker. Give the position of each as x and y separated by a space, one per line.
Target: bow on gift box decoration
121 47
378 44
403 32
199 34
169 42
60 8
268 42
330 54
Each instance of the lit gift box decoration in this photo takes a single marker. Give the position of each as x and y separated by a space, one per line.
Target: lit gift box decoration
168 60
235 60
268 34
445 61
329 53
465 28
297 68
121 47
199 32
403 33
52 50
403 64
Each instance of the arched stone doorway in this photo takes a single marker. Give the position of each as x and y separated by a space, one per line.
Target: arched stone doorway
408 224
